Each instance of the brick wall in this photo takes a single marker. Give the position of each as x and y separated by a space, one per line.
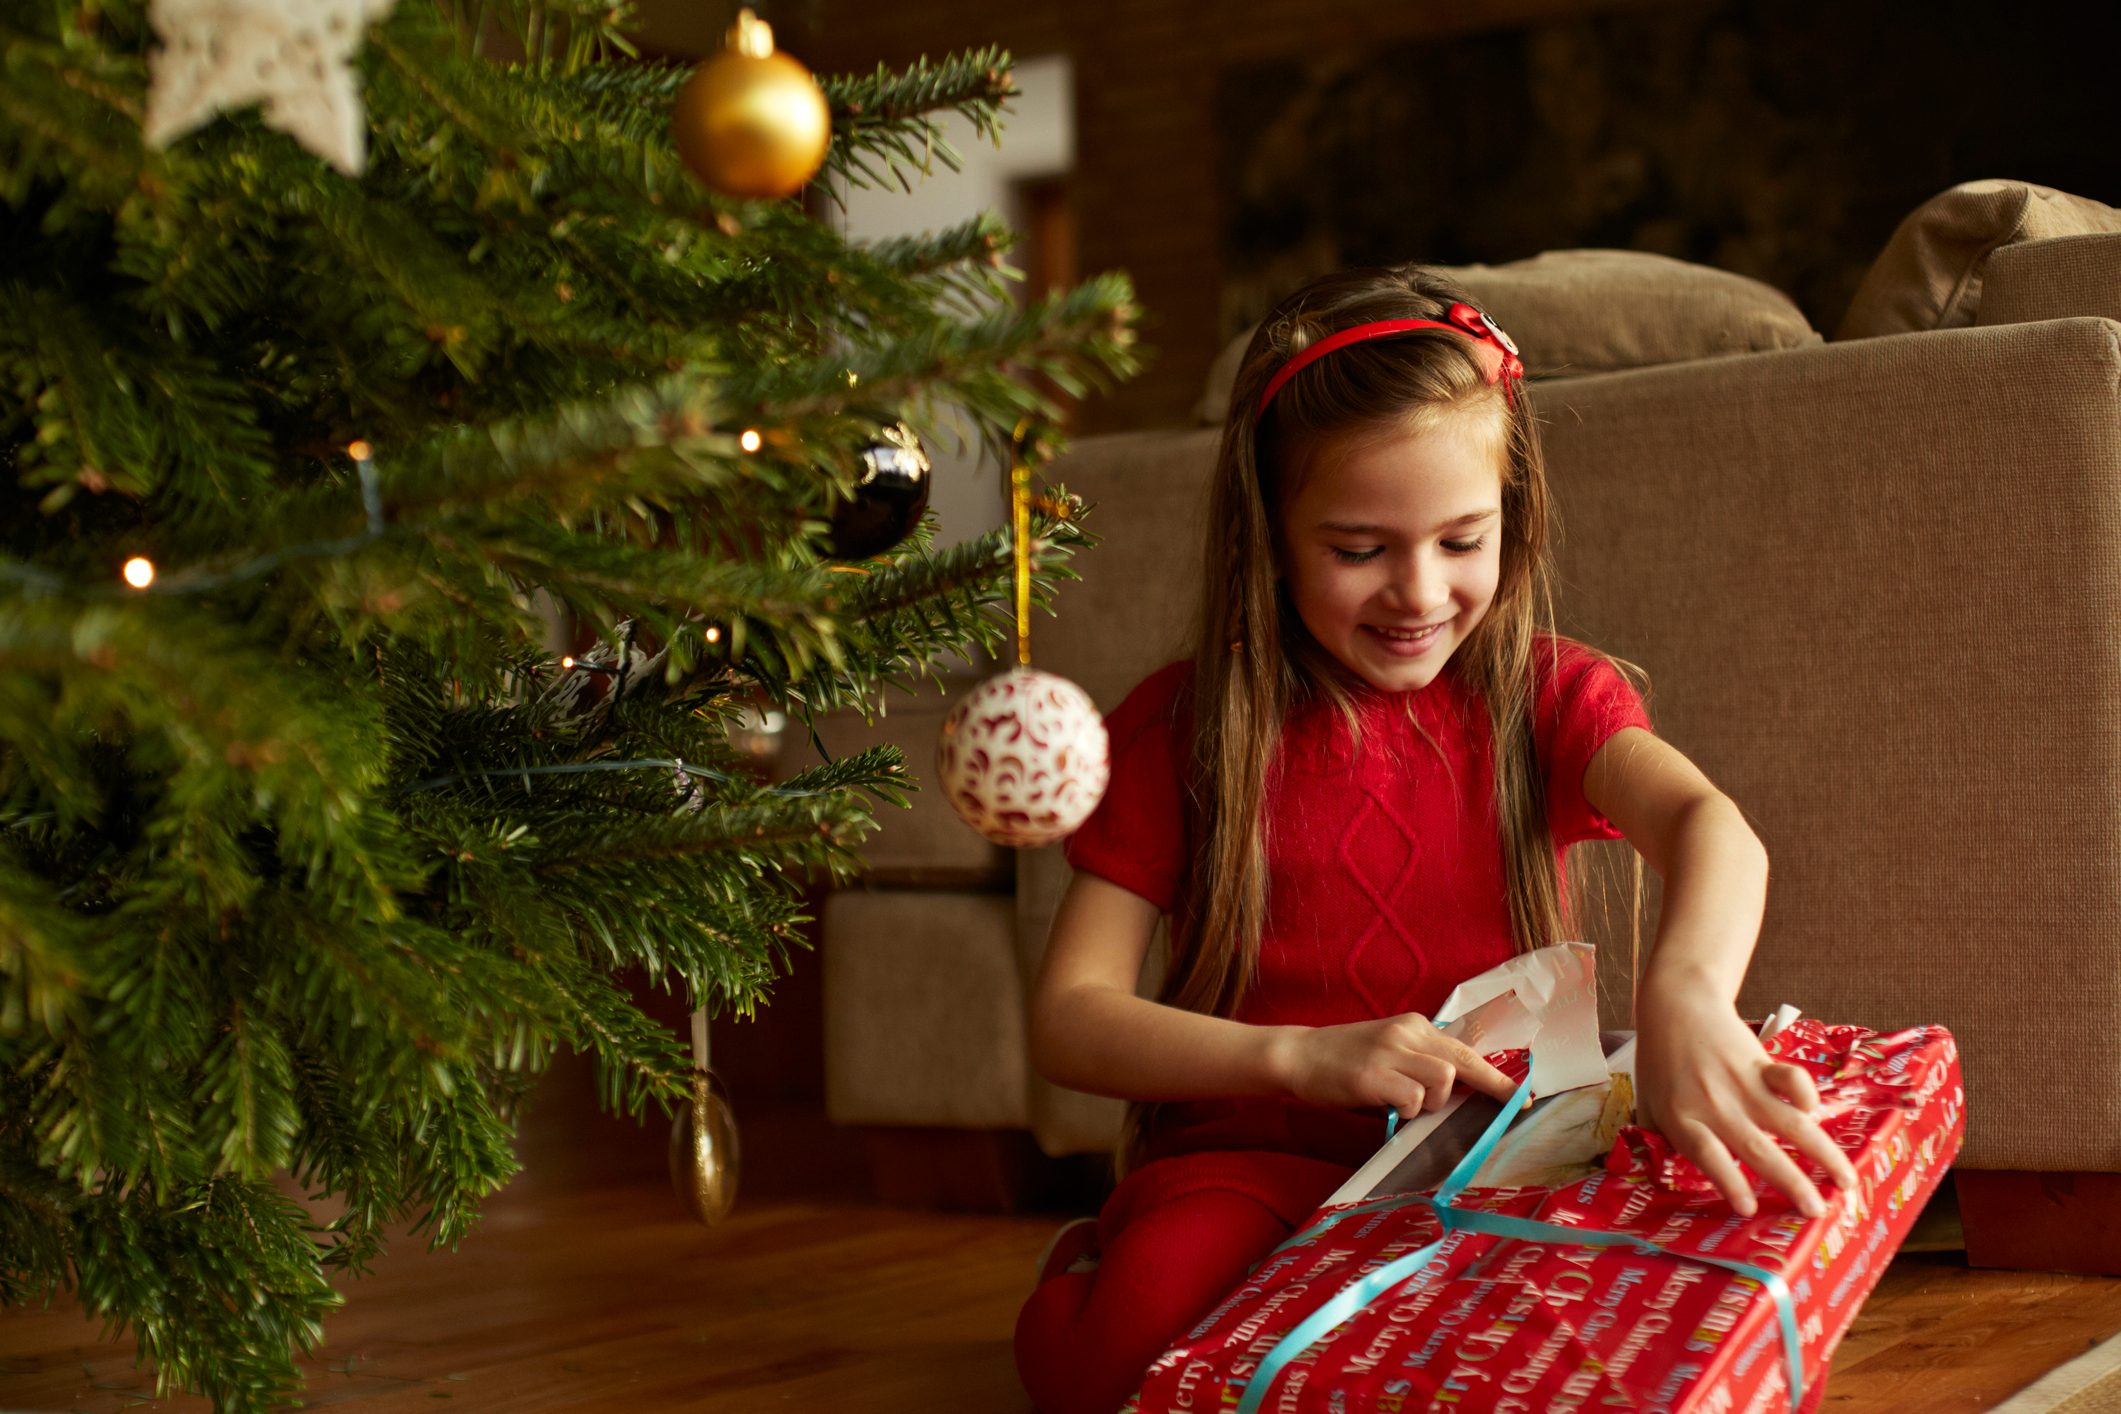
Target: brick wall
1145 179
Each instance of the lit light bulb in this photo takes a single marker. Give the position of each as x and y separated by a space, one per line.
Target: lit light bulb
751 440
139 572
568 661
714 634
359 449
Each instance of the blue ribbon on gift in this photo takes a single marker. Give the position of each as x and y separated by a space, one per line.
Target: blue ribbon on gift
1410 1270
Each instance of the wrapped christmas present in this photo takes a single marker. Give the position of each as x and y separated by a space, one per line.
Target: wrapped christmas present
1570 1260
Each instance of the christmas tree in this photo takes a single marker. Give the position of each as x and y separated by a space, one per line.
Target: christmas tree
391 542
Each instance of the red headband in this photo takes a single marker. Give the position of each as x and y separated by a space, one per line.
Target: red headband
1497 354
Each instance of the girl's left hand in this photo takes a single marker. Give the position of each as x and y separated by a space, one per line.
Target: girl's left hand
1704 1081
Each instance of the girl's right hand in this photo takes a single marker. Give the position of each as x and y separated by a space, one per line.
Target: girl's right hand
1398 1062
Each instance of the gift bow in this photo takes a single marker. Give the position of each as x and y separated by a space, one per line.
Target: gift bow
1411 1269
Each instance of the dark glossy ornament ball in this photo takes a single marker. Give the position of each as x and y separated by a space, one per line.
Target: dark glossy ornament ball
888 503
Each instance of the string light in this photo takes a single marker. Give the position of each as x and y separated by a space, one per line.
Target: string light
568 661
140 575
714 634
750 441
579 767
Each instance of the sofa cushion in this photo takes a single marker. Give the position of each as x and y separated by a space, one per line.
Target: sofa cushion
1930 274
1599 311
2066 278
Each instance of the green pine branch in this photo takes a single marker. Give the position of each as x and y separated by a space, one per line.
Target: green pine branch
217 1286
885 125
68 114
45 964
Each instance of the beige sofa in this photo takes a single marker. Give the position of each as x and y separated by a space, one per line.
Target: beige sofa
1876 584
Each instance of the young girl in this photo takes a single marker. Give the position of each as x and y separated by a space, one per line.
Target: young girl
1353 796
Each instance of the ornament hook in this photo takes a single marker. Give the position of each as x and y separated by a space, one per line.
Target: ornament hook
1020 513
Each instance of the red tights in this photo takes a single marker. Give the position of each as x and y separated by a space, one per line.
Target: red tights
1176 1237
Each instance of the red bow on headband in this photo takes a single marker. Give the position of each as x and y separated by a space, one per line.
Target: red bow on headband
1495 350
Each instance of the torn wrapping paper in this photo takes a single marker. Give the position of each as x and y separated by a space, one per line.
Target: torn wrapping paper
1545 1002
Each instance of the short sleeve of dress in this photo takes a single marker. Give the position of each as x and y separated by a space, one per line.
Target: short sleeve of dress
1582 702
1136 838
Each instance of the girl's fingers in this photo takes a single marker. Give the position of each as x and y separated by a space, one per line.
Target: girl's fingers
1815 1144
1699 1143
1435 1074
1474 1070
1411 1097
1792 1083
1759 1149
1805 1135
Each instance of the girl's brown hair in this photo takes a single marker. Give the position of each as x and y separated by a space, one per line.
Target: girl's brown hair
1254 660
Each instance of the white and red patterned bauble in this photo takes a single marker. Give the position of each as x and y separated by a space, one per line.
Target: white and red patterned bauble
1023 757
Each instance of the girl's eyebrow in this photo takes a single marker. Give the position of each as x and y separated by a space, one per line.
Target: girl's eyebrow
1351 527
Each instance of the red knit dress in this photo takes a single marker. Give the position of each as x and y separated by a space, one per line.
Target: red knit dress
1385 890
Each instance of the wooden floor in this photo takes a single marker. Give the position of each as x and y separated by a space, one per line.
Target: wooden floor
588 1291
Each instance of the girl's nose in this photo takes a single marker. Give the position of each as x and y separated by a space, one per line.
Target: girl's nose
1418 583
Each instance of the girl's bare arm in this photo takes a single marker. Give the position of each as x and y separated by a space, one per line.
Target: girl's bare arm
1702 1077
1090 1032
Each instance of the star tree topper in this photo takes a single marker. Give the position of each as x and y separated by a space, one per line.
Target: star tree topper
293 55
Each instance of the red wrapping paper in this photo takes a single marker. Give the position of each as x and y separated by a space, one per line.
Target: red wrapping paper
1517 1326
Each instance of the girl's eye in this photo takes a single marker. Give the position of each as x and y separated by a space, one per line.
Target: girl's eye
1356 557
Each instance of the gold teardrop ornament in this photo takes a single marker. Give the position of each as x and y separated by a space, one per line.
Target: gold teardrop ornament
703 1150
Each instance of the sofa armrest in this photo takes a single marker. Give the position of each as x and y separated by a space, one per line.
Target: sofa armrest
2062 278
1876 586
923 1023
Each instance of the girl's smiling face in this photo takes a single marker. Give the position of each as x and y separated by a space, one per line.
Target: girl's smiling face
1391 546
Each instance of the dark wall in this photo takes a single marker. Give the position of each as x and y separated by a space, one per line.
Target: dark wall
1145 189
1781 139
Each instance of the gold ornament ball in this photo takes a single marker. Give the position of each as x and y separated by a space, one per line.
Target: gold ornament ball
751 122
703 1150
